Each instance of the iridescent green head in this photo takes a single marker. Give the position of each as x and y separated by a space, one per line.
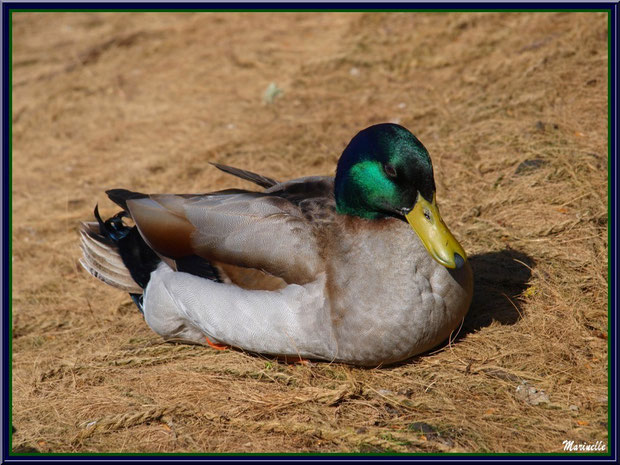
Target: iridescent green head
385 171
381 172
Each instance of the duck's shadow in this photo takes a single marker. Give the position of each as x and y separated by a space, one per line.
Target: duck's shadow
499 281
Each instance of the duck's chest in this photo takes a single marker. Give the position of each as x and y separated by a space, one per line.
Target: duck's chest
389 298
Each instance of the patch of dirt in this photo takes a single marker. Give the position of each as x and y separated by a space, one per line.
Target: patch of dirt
513 109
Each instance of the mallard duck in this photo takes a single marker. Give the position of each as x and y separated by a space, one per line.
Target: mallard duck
359 268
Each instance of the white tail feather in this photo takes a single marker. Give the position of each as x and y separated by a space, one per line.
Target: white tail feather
101 251
104 262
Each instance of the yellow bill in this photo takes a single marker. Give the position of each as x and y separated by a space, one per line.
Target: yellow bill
425 220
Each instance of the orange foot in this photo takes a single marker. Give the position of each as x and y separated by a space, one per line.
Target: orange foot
217 346
297 360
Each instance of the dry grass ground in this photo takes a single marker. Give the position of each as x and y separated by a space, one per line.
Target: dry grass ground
144 101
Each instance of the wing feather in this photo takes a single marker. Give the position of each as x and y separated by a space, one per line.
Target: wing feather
248 229
259 179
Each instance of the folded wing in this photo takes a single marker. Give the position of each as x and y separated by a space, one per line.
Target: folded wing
249 229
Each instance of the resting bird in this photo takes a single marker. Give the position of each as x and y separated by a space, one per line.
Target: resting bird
358 269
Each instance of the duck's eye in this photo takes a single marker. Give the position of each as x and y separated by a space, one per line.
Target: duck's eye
389 170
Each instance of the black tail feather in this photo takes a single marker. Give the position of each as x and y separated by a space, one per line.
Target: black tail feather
137 256
121 196
138 299
198 266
